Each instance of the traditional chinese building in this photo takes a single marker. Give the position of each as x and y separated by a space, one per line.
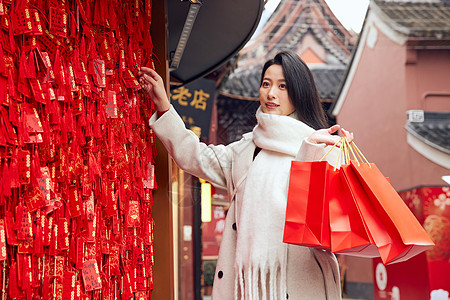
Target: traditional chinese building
395 97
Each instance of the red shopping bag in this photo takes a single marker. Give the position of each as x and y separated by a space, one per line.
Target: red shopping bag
373 226
348 231
408 238
306 222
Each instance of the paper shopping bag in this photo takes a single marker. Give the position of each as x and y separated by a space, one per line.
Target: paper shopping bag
368 231
306 220
348 232
408 238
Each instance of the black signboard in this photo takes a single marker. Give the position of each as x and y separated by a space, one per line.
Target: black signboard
194 103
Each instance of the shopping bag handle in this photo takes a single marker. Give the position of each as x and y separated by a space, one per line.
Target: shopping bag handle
345 149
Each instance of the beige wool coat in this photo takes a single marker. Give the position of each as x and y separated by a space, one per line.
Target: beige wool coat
311 273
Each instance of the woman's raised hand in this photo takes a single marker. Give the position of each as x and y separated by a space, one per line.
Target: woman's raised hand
326 136
153 84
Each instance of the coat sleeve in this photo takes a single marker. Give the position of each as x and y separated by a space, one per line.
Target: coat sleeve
209 162
314 152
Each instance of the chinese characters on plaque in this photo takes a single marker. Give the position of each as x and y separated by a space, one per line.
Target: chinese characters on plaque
194 102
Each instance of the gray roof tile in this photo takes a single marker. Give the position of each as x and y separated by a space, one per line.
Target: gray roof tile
425 20
434 130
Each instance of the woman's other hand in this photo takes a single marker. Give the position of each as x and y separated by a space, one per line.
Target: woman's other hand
153 85
326 136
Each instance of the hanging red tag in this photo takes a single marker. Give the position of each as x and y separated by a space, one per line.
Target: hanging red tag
148 230
24 166
111 105
69 284
133 215
45 185
77 290
127 283
129 239
98 71
79 253
141 295
81 75
24 230
36 25
3 253
21 22
74 202
147 255
25 247
48 229
50 77
91 275
149 181
54 202
34 199
148 197
49 43
138 252
59 291
64 242
34 124
58 22
114 260
27 277
141 280
71 77
88 206
92 230
38 91
131 81
104 241
54 242
57 267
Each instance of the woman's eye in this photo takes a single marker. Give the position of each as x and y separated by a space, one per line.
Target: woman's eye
265 84
282 86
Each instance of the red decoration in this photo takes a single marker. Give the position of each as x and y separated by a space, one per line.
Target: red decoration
76 153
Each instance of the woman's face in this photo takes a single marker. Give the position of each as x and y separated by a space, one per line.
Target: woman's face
273 94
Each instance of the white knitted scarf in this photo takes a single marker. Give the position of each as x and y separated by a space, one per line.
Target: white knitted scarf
261 255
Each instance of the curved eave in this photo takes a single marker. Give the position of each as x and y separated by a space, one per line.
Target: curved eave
430 152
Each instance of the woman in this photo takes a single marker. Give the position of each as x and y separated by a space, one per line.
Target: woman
253 261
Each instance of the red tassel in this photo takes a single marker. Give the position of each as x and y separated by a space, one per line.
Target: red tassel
58 70
2 59
92 49
38 249
6 180
14 172
13 288
19 216
83 47
11 86
26 285
12 43
31 66
23 133
36 166
46 283
73 26
23 67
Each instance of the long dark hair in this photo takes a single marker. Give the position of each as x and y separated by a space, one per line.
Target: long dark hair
300 87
